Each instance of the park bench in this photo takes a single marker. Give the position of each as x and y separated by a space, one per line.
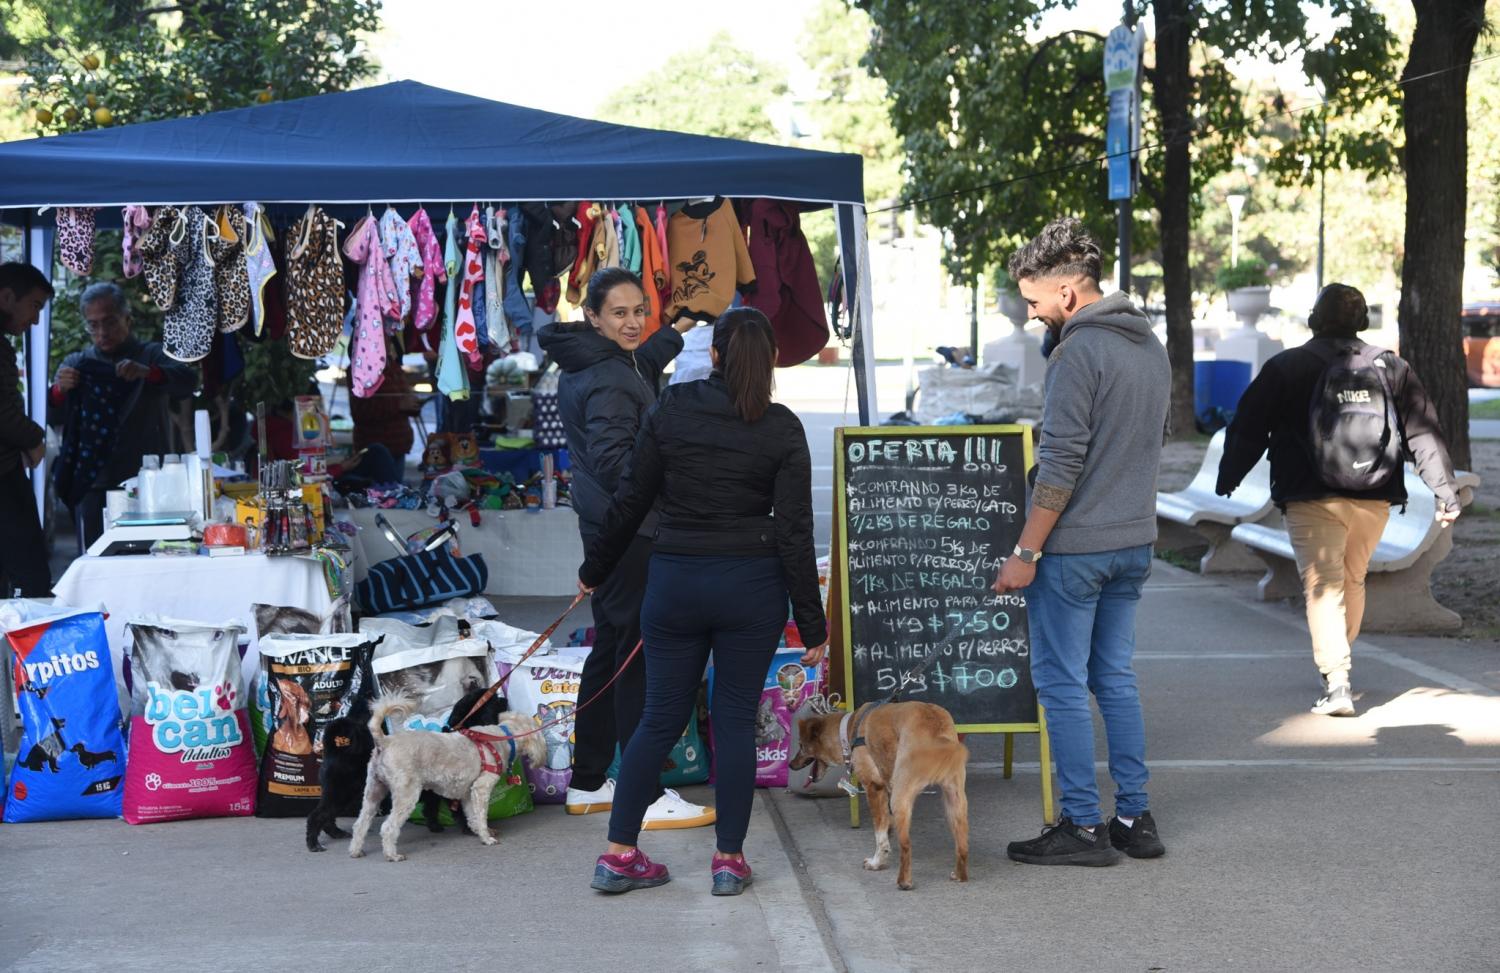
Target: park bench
1197 514
1398 588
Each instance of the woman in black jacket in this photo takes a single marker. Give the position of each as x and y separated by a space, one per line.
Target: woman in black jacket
610 375
730 474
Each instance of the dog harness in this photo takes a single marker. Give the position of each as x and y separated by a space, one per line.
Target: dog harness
849 738
489 755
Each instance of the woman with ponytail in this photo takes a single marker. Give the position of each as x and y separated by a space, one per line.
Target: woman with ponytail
729 473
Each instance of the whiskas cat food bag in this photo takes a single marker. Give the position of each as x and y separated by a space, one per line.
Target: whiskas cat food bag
310 680
190 750
72 755
789 684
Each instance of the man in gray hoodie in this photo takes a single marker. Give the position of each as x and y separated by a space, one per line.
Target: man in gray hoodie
1085 550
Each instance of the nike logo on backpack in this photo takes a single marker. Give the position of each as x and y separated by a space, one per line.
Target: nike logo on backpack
1360 466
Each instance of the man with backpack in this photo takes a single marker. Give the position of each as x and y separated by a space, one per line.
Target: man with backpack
1339 417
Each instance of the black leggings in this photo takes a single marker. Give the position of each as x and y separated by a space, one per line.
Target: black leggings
735 607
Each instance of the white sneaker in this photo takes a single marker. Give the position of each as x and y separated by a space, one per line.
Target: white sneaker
591 802
671 811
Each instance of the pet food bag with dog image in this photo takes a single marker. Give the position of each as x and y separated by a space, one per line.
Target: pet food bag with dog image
434 678
311 680
284 620
190 749
789 684
72 754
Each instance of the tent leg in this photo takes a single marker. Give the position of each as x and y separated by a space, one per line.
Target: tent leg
854 248
39 240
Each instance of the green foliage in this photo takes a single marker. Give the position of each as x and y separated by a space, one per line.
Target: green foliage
723 91
1003 131
93 63
1249 272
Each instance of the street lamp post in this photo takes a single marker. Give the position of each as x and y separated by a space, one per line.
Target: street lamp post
1236 206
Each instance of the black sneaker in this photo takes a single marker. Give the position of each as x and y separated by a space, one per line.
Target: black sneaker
1140 840
1065 844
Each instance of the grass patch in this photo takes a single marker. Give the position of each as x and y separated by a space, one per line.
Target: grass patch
1178 560
1488 409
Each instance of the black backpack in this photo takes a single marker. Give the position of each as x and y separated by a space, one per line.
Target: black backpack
1357 442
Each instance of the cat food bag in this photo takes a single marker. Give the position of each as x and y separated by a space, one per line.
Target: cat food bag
286 620
72 756
190 750
310 680
435 677
789 684
546 686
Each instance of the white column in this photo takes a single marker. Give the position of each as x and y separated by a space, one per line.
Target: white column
38 342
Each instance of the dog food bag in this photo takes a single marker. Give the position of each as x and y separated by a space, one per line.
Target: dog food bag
286 620
72 755
435 677
310 681
789 684
546 686
190 749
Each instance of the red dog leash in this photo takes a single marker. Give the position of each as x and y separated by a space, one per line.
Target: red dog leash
476 736
489 694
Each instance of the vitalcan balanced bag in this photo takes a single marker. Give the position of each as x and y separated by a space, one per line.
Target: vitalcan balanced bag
310 681
72 755
190 749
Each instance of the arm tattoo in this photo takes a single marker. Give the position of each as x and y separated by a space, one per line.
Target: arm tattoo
1051 497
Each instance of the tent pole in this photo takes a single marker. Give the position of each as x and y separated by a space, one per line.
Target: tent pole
864 334
38 343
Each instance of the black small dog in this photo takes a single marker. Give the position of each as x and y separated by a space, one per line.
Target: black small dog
488 715
90 759
347 747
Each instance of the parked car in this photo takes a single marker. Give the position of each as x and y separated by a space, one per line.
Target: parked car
1481 324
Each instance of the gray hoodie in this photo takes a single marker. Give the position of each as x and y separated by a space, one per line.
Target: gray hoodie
1107 388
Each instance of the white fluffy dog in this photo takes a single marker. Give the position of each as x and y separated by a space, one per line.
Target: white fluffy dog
450 764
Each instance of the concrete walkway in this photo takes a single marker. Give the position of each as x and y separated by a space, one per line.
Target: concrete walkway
1295 842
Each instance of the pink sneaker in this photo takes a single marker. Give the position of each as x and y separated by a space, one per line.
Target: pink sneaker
621 873
730 876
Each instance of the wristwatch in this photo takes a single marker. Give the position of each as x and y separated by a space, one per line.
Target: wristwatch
1027 557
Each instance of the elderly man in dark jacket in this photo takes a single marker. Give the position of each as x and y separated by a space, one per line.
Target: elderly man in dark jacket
112 401
611 373
24 290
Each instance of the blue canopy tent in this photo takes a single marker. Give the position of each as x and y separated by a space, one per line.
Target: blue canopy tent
410 143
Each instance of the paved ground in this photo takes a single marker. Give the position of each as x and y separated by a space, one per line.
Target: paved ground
1295 842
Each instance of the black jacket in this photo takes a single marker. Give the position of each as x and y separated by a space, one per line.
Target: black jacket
1273 413
18 433
602 395
726 487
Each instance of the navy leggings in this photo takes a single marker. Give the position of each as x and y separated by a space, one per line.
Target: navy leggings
735 607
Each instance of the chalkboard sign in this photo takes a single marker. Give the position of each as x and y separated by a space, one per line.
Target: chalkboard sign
926 516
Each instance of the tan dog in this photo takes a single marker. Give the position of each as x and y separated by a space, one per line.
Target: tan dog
905 748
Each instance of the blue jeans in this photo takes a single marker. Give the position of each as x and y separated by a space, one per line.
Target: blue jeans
1082 613
734 607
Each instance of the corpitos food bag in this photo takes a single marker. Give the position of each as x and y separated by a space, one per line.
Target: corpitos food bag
190 749
435 677
72 755
310 680
789 684
286 620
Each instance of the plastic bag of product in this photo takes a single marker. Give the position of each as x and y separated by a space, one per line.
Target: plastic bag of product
546 686
285 620
435 677
311 680
72 754
191 754
789 684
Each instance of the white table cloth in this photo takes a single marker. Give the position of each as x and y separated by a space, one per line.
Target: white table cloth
198 589
527 553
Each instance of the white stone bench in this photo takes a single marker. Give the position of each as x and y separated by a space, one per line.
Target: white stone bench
1398 588
1202 515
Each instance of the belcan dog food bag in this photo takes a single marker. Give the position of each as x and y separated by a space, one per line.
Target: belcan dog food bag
310 681
190 749
435 677
72 756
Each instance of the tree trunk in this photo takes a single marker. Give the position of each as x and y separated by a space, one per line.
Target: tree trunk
1172 89
1435 118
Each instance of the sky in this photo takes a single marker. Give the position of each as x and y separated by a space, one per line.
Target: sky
528 53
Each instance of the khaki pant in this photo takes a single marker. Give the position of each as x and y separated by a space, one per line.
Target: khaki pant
1333 540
